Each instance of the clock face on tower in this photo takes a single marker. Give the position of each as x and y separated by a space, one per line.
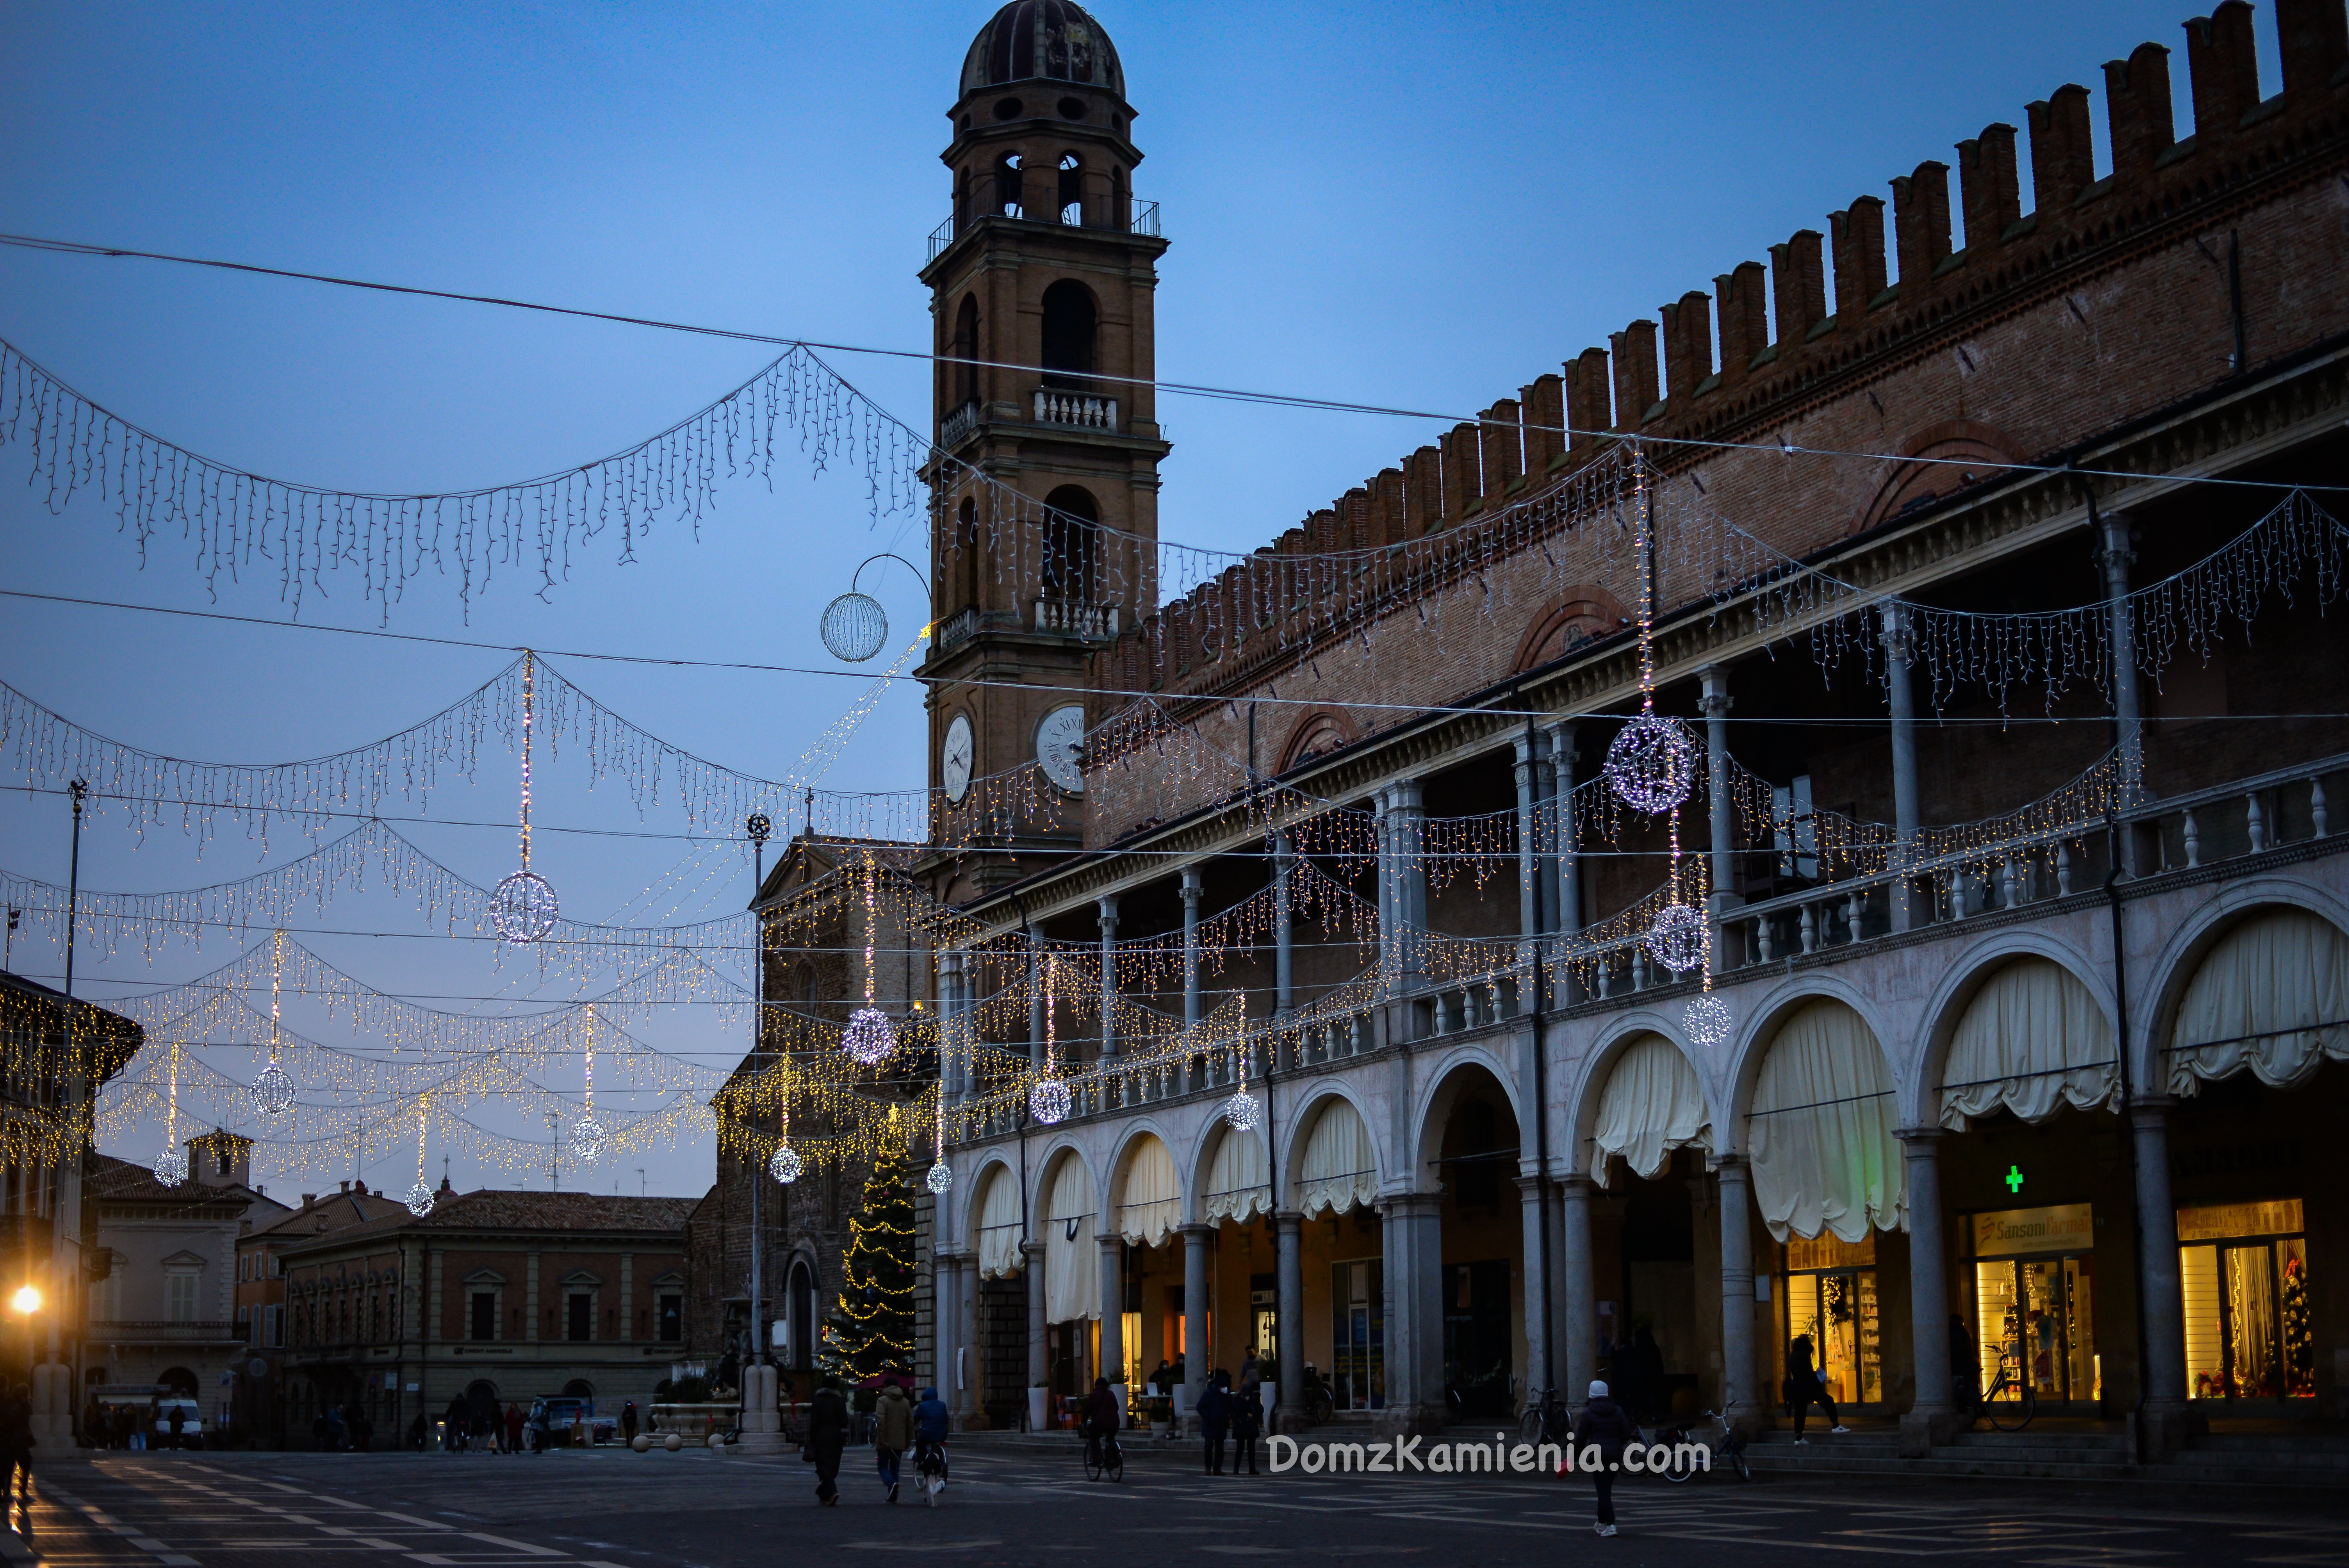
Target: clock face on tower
1058 740
954 760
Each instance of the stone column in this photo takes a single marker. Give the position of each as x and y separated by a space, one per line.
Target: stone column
1107 905
1546 801
1902 702
1039 1364
1191 890
1934 1418
1529 911
1414 1237
971 1376
1741 1383
1581 1291
1533 1204
1288 1312
946 1286
950 1064
1408 819
2118 553
1035 999
1715 704
1198 1354
1112 1312
1284 969
2170 1421
1383 837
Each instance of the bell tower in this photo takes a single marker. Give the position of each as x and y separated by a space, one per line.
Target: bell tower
1045 476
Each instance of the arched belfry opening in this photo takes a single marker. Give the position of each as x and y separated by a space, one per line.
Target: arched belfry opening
1073 544
1071 323
965 379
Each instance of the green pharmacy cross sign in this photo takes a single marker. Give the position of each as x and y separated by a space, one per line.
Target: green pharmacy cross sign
2014 1178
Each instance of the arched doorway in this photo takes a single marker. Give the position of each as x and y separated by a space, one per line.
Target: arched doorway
1343 1253
1147 1215
1655 1237
800 1341
1483 1289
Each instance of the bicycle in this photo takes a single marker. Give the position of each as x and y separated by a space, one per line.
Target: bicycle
930 1469
1728 1451
1320 1408
1546 1418
2015 1411
1103 1457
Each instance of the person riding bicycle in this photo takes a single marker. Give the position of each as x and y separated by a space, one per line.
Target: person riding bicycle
1101 1419
931 1420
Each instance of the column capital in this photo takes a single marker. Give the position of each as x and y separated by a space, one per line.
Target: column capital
1106 906
1198 1231
1192 886
1736 1165
1716 702
1108 1239
1922 1142
1288 1218
2151 1109
1406 795
1035 1249
1410 1203
1578 1185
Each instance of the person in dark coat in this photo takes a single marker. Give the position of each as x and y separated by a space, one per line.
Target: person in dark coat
17 1447
1101 1417
1215 1417
1247 1423
1805 1390
1965 1366
1606 1427
827 1435
628 1422
1163 1378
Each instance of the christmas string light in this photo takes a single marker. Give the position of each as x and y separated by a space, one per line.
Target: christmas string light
1048 1099
587 1133
868 1038
525 905
273 1090
171 1165
419 1197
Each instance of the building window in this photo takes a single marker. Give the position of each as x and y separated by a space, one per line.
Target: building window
580 1311
672 1319
273 1328
181 1287
485 1314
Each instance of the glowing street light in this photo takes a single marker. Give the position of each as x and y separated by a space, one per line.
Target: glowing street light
27 1300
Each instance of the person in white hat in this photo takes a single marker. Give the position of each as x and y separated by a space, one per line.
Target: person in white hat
1605 1423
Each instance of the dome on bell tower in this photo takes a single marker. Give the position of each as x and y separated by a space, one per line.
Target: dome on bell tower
1051 40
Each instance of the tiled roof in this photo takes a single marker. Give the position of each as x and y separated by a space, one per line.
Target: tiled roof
332 1211
121 1181
495 1209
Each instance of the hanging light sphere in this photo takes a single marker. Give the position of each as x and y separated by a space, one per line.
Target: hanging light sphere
854 626
420 1198
1243 1111
1652 764
1049 1102
586 1138
171 1165
1710 1020
868 1038
1678 939
524 907
786 1165
273 1091
940 1178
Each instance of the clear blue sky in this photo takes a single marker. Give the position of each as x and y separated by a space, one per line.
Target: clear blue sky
1426 206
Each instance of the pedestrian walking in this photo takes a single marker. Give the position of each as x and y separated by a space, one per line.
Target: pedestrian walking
827 1435
1805 1387
1604 1425
931 1420
1247 1424
514 1424
628 1422
893 1434
537 1426
1214 1417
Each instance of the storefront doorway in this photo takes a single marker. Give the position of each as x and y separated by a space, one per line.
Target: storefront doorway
2243 1268
1476 1360
1831 1297
1358 1371
2035 1312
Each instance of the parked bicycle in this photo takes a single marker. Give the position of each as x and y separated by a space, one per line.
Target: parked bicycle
1319 1407
1546 1418
2009 1402
1726 1445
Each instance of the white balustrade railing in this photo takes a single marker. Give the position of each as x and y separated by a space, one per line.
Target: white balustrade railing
959 424
1079 410
1076 618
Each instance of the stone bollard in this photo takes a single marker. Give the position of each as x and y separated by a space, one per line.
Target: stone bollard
642 1442
674 1441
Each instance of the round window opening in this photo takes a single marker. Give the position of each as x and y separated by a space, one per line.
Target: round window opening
1072 109
1008 108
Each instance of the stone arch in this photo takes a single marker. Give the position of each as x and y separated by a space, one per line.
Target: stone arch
1761 1030
1577 615
1302 1123
1588 1086
1932 464
1316 733
1967 974
2181 957
1446 1080
1069 349
974 1191
1202 1158
1048 1170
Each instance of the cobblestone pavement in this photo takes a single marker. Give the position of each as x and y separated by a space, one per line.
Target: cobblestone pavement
613 1508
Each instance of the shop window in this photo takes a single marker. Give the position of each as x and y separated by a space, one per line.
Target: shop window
2243 1272
485 1315
1831 1303
2034 1307
1358 1374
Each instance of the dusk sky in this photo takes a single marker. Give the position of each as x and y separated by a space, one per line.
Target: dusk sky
1423 207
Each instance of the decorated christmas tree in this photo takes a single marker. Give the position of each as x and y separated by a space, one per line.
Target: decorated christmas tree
871 1329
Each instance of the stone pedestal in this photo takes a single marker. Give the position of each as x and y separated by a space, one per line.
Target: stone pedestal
762 1426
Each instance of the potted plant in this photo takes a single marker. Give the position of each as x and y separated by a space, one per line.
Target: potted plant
1161 1410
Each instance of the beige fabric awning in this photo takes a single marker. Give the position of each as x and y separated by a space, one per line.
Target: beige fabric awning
2273 996
1821 1131
1072 1253
1340 1167
1152 1204
1239 1179
1652 1105
2032 1040
999 1227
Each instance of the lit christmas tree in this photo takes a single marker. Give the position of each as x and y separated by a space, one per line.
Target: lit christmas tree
871 1328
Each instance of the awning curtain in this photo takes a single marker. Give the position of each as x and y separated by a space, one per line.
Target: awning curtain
1154 1202
998 1227
1821 1133
1339 1168
1072 1253
2032 1040
1239 1179
1652 1105
2271 996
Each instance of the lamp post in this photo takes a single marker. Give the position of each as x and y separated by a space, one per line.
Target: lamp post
758 826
